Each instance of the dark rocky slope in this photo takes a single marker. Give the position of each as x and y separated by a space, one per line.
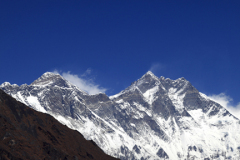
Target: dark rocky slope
28 134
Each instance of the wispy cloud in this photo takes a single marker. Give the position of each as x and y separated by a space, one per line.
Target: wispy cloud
225 101
156 67
83 82
87 72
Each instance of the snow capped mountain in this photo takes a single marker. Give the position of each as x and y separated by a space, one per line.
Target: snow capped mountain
154 118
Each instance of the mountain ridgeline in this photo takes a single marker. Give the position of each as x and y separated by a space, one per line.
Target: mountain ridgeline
154 118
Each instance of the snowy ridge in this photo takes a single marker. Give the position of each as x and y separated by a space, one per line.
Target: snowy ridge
154 118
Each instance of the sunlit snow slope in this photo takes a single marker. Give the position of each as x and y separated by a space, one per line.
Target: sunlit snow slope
154 118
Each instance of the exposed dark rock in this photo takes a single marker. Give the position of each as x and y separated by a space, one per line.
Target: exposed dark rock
162 154
190 148
136 149
195 148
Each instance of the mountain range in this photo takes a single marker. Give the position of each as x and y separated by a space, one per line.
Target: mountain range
154 118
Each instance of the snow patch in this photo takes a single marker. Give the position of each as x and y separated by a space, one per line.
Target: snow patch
150 94
33 101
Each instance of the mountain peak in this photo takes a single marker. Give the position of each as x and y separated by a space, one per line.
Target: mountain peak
49 74
5 84
46 78
149 74
181 79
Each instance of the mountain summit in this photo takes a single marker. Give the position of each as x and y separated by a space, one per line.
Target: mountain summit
46 78
154 118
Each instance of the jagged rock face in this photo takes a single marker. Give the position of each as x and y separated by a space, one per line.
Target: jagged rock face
154 118
28 134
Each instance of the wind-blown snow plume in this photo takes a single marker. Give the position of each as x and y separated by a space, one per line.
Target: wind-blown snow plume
156 67
83 83
225 100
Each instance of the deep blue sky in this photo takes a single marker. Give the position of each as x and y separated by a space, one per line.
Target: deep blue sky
121 40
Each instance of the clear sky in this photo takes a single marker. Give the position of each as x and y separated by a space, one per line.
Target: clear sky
111 43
